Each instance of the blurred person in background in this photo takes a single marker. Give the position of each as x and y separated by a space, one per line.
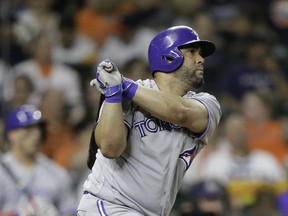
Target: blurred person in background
183 10
97 20
139 26
132 41
22 94
264 131
278 15
60 144
36 17
259 71
31 183
205 198
282 202
46 73
151 14
239 168
12 51
265 204
23 89
72 48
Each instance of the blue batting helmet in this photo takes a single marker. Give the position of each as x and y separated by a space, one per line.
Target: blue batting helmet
24 116
164 54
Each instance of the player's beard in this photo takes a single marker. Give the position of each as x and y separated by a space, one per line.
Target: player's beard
190 77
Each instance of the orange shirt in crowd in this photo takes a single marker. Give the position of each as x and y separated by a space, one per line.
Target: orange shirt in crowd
268 137
93 24
60 145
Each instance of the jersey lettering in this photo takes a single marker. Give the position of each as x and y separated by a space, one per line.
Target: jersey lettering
153 125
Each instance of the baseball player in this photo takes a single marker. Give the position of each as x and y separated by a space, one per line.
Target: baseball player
30 183
149 131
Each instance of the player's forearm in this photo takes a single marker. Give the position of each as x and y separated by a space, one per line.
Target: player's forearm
111 132
172 108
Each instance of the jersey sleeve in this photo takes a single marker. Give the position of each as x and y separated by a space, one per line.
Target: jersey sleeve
129 107
214 113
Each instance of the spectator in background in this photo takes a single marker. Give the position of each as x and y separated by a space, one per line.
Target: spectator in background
45 74
241 169
152 14
259 71
282 202
278 14
23 91
139 25
60 143
133 42
265 204
263 130
12 51
206 198
73 48
35 18
183 10
97 20
30 183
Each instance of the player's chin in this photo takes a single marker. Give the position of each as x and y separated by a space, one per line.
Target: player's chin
198 82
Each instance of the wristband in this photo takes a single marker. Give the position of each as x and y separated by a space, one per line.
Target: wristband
129 88
113 94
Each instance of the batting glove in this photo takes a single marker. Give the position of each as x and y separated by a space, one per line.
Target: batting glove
108 81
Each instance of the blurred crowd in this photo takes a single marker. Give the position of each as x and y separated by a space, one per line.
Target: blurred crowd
48 51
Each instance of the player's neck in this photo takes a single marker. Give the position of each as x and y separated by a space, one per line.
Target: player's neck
25 160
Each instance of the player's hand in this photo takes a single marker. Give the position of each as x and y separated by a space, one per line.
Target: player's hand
107 74
108 81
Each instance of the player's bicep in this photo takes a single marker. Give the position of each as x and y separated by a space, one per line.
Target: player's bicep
196 115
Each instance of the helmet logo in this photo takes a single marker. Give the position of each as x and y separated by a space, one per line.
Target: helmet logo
21 116
37 115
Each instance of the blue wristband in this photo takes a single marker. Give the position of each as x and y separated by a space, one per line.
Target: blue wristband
129 88
113 94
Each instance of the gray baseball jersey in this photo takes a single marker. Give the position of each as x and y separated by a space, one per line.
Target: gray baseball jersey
47 181
148 174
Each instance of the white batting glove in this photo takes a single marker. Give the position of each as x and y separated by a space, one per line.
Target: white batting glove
107 74
94 83
108 81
